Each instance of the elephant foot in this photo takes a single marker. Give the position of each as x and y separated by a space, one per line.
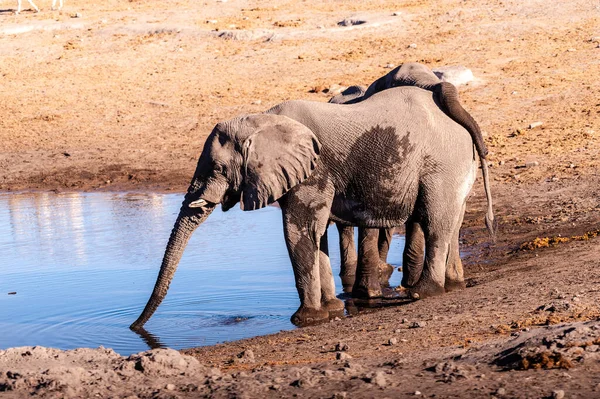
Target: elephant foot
385 272
367 290
306 316
425 290
454 285
333 305
408 281
348 283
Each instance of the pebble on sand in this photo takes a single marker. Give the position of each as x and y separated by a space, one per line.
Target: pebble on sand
535 124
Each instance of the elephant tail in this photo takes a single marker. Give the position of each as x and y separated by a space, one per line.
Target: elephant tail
448 97
490 221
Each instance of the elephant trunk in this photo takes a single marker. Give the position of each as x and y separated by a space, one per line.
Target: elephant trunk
449 100
187 221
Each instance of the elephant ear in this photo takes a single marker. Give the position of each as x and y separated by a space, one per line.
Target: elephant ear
279 154
379 85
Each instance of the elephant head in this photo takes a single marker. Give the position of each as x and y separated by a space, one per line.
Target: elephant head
253 160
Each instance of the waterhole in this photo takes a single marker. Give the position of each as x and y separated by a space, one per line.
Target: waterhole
76 269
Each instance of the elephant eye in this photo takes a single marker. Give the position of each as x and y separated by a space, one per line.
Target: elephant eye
219 169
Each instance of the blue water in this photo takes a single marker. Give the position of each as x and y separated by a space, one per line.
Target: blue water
83 266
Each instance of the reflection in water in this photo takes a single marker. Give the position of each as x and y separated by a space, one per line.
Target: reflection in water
151 340
83 266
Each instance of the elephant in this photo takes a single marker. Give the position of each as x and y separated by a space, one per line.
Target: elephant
418 75
376 164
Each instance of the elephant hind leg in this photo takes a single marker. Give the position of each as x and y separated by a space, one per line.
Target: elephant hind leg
438 230
455 278
413 257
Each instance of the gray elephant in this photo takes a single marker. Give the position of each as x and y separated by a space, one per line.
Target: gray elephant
377 163
446 96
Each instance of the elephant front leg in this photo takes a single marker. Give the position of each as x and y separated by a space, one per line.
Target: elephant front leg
414 254
367 283
329 301
303 232
347 256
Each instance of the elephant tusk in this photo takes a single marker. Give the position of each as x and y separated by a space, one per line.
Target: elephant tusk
197 204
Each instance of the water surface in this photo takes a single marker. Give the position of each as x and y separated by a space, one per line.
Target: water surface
83 266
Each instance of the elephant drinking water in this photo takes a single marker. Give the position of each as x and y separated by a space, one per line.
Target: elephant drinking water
375 164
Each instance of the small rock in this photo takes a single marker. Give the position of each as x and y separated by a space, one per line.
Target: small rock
170 387
412 45
417 324
257 102
404 321
595 39
571 50
340 395
390 66
457 74
417 393
535 124
351 22
246 356
392 341
341 347
379 379
531 164
501 391
396 13
342 356
558 394
336 89
211 21
12 293
76 15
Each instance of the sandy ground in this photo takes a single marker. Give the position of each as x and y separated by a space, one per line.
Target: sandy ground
119 95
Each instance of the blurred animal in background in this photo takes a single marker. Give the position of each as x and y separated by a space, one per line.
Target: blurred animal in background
36 9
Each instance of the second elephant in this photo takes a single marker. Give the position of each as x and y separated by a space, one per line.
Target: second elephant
446 96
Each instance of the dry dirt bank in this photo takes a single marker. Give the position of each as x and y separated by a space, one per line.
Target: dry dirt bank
123 96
